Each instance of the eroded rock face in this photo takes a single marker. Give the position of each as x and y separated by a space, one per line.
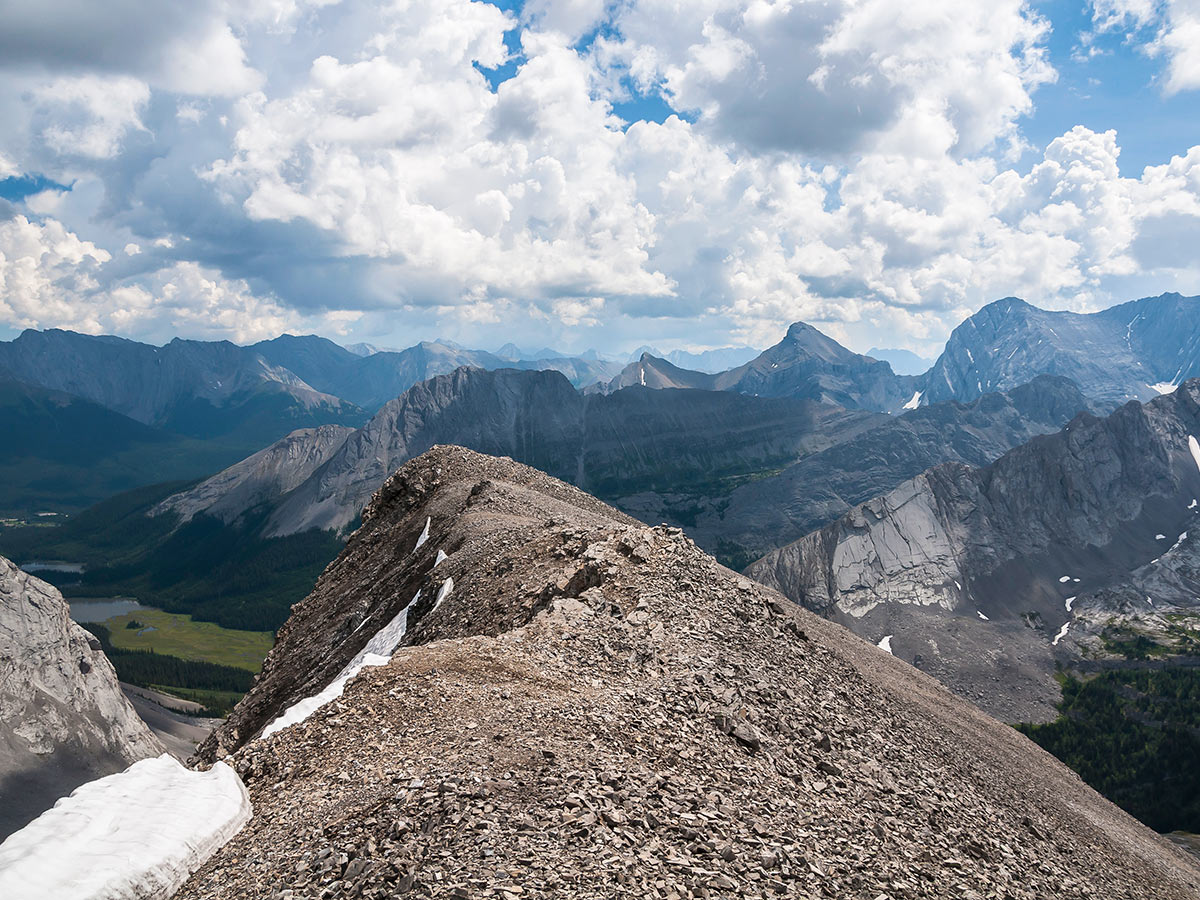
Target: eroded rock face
1015 553
595 708
63 718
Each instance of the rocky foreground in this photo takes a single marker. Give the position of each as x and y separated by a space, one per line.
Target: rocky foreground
586 707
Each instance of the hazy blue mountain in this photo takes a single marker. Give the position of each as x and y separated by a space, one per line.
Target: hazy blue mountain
903 362
1133 351
64 453
197 388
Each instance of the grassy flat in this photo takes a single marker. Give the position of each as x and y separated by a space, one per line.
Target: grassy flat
176 634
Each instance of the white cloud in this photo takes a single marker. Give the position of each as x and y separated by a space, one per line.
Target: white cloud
1175 26
329 166
49 278
89 116
838 77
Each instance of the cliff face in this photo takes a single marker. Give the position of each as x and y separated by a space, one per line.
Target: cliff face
63 718
504 688
1001 555
1134 351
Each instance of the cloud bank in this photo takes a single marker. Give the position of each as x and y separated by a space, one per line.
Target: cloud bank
421 167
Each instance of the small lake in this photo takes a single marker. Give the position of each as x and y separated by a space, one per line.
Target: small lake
101 610
52 565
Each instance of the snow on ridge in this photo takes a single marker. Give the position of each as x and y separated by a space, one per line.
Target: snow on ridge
377 652
443 593
914 402
886 643
424 534
136 834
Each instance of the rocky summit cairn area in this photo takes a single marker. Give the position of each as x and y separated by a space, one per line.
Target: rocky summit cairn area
584 707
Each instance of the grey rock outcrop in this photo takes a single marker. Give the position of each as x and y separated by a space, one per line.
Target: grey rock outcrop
260 479
597 709
63 718
1006 546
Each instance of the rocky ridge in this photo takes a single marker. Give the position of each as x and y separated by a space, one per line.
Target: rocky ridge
584 706
63 718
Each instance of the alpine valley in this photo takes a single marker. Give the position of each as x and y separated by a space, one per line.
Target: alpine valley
459 623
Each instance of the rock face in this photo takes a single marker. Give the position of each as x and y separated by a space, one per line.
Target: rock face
582 706
976 573
653 372
765 513
63 718
1134 351
259 479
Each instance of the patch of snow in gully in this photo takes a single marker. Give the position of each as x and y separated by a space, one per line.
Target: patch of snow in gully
136 834
424 535
1062 633
441 558
886 643
914 402
377 652
443 593
1070 601
982 616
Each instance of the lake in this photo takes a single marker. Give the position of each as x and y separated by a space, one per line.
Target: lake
101 610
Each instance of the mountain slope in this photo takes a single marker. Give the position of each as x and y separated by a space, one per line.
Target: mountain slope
582 706
66 453
63 718
1133 351
993 560
766 513
195 388
807 363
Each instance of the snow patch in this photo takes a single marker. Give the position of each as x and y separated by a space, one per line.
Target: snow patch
1163 387
1062 633
424 534
1160 537
443 593
1192 505
1064 579
1070 601
982 616
886 643
138 833
914 402
957 585
1195 448
441 557
377 652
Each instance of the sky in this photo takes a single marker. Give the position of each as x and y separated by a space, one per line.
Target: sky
590 173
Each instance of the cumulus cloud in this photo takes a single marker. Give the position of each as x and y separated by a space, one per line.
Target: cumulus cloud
50 278
344 167
1175 29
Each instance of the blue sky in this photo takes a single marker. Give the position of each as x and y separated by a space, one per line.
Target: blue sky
589 174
